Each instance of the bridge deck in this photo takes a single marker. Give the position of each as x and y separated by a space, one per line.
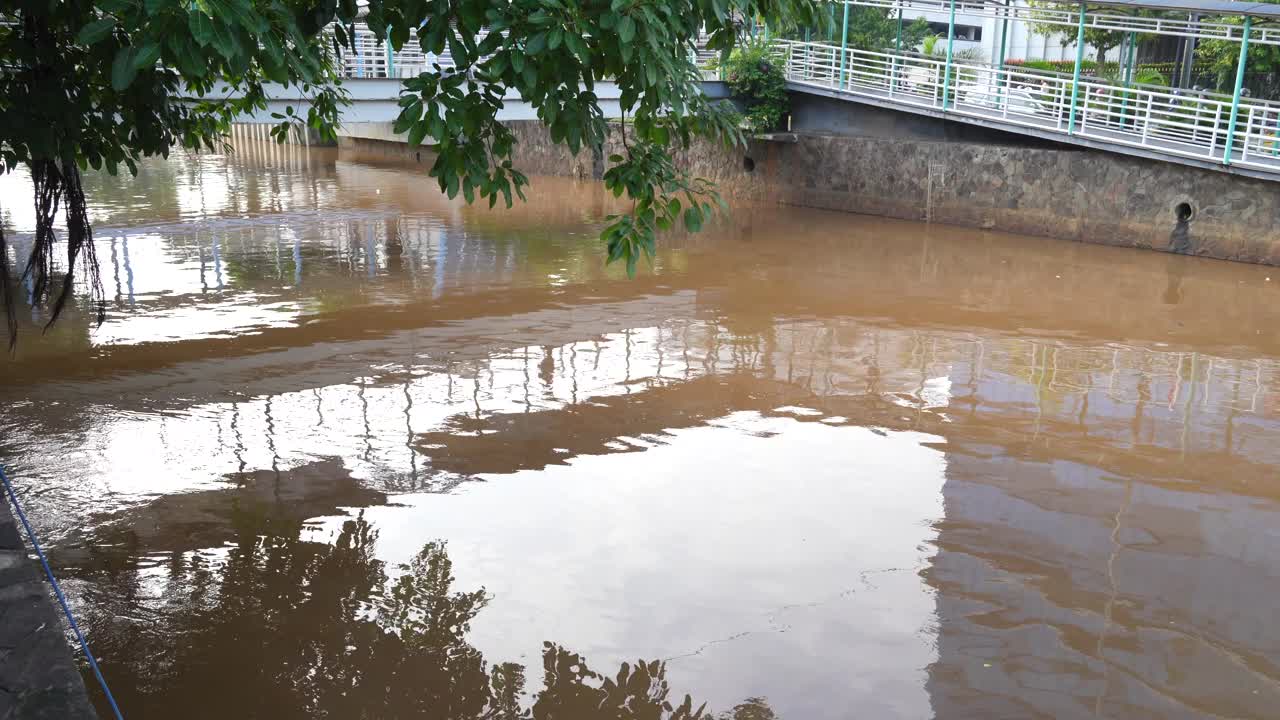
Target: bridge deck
1144 121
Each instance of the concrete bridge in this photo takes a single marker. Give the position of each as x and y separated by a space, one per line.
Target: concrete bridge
374 106
1191 126
1232 132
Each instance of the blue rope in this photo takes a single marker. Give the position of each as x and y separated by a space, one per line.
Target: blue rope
62 599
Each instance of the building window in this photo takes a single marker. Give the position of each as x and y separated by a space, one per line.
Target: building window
964 33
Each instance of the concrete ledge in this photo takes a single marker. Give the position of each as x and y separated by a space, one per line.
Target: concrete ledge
39 679
1047 135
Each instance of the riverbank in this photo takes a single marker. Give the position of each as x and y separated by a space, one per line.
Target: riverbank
38 675
913 171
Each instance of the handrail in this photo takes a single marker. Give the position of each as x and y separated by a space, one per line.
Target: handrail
1153 118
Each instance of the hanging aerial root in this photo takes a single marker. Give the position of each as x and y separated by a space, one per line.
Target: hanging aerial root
79 245
54 187
46 182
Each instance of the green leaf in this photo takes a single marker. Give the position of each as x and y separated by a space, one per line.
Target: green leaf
146 56
95 31
535 44
626 29
190 62
417 133
435 126
577 47
201 28
554 38
498 64
123 70
693 219
399 36
224 41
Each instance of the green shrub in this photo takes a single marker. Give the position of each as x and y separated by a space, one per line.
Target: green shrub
758 83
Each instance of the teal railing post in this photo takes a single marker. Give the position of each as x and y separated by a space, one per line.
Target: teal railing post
1128 77
897 44
808 49
1075 76
1235 96
391 66
844 44
1001 80
951 41
897 50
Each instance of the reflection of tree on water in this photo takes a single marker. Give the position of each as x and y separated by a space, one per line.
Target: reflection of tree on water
286 628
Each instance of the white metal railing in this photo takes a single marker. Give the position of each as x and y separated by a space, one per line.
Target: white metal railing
1193 125
373 58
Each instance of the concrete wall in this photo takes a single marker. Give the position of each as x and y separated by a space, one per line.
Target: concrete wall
1083 195
819 114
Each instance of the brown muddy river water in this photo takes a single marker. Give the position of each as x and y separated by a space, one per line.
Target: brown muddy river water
346 449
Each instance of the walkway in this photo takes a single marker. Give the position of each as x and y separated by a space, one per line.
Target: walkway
1142 120
38 675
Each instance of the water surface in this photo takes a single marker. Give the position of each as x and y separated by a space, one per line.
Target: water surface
344 448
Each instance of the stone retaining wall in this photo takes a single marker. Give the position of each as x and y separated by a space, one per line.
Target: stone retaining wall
1065 193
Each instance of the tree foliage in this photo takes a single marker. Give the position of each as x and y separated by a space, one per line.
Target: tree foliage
101 83
1102 41
875 29
758 82
1220 57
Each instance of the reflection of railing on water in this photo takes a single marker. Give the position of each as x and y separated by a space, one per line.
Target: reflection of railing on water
1004 380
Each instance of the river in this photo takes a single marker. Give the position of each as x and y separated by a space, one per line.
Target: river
344 448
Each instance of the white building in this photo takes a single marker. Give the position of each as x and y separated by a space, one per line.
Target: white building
973 31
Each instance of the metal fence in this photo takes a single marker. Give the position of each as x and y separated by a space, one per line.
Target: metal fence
1185 124
372 57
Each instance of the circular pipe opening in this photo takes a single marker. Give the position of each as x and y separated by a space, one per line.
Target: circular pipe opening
1183 211
748 164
